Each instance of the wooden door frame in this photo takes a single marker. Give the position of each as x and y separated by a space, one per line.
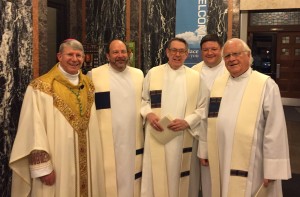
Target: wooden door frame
62 19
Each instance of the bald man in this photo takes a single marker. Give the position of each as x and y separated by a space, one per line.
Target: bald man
118 89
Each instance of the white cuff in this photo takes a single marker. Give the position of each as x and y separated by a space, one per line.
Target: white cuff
41 169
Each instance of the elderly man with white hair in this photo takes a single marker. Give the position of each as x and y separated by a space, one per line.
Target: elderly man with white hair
246 141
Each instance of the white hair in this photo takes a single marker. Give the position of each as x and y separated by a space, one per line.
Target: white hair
245 47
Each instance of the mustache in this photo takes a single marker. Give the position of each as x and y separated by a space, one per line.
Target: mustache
121 59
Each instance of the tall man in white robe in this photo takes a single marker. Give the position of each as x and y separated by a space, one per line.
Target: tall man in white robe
247 138
210 68
172 90
57 149
118 89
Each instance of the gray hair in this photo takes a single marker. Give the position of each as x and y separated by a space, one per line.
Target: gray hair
179 40
73 43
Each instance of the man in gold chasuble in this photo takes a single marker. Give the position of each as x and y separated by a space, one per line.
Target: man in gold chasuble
56 151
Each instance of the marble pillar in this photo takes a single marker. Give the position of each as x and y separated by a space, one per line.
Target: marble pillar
236 19
105 20
217 22
152 24
217 17
15 74
158 26
135 17
75 16
43 37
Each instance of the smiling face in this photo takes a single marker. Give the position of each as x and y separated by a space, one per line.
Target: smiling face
177 54
70 59
117 55
236 57
211 53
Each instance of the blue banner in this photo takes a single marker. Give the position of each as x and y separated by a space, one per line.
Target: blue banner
191 22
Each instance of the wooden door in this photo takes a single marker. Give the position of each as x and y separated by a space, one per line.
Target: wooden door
288 64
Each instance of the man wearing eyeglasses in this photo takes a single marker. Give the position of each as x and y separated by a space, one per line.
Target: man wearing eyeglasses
246 138
210 68
172 108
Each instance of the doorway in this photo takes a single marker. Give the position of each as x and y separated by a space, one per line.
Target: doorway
277 54
57 30
264 52
274 37
288 64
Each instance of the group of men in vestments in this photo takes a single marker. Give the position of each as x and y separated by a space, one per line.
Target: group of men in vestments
114 132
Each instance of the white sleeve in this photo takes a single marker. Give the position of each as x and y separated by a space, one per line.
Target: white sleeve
146 102
275 141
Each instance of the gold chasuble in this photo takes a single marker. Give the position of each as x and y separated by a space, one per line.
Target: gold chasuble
243 137
101 79
157 150
75 105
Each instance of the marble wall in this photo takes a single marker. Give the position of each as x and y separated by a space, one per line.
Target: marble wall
105 20
15 74
158 26
151 33
217 18
218 11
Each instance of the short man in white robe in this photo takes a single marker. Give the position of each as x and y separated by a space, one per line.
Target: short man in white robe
247 145
118 89
213 64
210 68
172 89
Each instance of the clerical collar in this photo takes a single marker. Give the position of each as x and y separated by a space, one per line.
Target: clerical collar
179 68
244 75
74 79
220 64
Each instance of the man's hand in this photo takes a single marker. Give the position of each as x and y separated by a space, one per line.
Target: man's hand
178 125
48 179
204 162
153 119
267 182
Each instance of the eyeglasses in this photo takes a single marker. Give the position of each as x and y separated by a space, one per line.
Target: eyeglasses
235 55
174 51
